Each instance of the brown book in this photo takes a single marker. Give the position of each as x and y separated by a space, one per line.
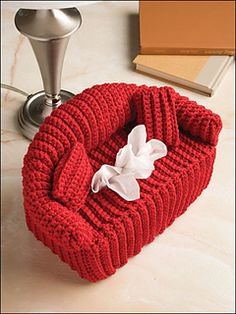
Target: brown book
202 74
187 27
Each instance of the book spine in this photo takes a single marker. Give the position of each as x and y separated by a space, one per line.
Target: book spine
185 51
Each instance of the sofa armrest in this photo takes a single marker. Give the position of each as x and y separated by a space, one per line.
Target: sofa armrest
197 120
62 224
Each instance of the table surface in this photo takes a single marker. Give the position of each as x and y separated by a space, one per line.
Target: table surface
189 268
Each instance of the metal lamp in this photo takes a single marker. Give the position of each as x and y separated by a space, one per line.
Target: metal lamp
48 31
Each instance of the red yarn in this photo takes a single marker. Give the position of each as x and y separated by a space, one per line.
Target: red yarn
96 233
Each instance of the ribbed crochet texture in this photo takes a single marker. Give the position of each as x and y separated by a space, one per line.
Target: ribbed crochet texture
96 233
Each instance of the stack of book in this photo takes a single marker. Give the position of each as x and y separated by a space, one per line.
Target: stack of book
189 43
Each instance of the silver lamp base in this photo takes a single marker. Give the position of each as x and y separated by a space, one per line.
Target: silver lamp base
31 115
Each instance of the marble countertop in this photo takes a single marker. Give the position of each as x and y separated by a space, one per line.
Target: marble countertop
189 268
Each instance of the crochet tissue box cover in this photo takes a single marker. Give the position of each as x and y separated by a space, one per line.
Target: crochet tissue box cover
97 233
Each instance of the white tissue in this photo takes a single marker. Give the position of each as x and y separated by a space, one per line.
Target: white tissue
134 161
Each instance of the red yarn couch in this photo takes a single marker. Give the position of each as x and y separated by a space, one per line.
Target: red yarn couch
96 233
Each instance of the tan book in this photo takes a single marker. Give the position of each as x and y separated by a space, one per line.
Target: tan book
187 27
199 73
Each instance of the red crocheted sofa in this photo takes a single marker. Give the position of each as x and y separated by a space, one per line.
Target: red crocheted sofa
96 233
